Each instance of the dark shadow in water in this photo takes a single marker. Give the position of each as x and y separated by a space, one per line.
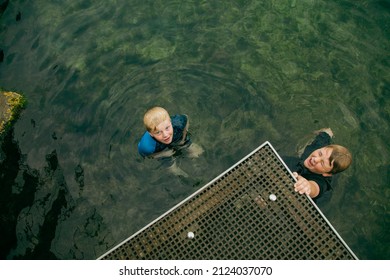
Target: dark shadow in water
10 203
48 229
3 6
18 194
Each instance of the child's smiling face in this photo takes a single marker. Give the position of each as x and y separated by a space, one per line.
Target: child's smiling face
319 161
164 132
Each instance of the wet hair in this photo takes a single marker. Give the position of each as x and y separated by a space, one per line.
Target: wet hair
153 117
340 158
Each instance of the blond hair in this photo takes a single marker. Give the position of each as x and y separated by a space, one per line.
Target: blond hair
340 158
153 117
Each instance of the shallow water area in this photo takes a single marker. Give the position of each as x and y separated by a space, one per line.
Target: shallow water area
245 72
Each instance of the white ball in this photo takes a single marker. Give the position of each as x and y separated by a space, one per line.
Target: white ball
272 197
190 235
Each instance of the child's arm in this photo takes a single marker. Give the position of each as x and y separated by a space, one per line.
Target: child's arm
185 130
326 130
304 186
323 138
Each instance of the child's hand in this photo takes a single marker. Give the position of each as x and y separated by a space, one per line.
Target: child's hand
302 185
326 130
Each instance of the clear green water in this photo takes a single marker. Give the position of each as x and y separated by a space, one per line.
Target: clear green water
244 71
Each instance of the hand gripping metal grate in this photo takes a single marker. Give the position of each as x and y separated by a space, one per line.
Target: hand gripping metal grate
250 211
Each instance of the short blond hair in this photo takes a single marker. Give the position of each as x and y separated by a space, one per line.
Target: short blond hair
153 117
340 158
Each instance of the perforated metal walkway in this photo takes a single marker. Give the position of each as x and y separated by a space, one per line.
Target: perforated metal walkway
236 216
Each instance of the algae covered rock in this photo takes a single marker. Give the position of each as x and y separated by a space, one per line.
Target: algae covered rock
11 104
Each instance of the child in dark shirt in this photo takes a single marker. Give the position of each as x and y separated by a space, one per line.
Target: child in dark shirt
318 163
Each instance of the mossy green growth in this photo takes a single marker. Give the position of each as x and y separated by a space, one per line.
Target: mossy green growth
11 104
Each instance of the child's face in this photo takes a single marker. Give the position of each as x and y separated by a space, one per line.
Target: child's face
163 132
318 162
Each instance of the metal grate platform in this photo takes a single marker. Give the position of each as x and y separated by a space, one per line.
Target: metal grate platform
236 216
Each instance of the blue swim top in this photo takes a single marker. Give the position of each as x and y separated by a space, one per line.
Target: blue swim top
148 145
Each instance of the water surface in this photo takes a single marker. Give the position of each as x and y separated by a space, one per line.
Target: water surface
244 71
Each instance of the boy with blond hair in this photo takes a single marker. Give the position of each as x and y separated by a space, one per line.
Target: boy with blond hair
165 135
